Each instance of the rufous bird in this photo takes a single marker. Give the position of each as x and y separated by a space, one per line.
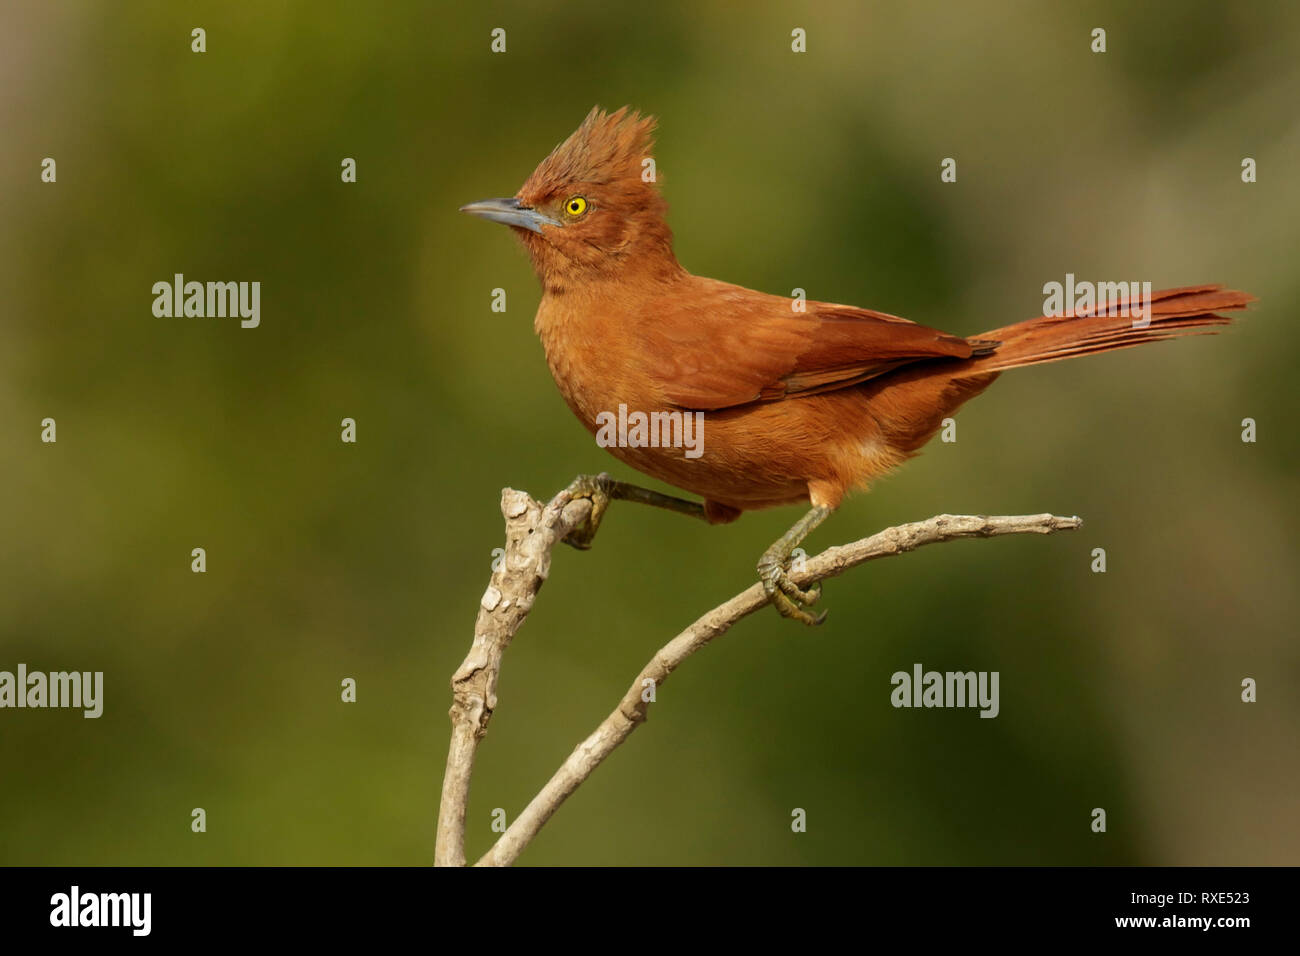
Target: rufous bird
802 401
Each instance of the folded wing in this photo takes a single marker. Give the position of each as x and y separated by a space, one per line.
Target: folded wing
739 347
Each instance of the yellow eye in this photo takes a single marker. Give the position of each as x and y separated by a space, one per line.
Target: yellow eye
576 206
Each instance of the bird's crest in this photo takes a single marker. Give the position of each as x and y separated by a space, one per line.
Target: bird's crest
606 148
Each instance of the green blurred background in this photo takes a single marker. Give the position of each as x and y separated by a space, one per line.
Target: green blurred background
821 170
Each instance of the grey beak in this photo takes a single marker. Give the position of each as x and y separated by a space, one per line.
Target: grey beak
510 212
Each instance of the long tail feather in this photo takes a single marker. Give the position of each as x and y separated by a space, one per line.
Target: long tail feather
1174 312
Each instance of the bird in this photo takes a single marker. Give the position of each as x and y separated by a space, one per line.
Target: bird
799 401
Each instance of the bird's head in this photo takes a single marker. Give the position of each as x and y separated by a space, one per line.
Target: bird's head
592 209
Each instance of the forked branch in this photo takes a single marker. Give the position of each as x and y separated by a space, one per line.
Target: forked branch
532 531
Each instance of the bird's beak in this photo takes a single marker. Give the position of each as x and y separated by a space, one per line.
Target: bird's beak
511 212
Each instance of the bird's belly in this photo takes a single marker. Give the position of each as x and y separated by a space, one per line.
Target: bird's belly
756 456
727 479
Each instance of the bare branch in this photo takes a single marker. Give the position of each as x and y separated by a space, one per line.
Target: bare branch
532 532
633 708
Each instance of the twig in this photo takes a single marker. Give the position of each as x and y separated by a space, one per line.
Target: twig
531 532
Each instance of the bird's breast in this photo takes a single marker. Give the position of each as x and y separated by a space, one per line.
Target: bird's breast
591 350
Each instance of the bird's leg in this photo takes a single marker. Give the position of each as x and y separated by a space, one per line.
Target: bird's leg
781 591
602 489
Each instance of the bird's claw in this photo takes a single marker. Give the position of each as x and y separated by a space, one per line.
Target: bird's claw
787 597
597 489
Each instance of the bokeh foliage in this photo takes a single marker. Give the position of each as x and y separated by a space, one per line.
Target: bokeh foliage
819 171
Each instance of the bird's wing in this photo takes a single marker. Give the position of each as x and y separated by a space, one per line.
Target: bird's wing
737 346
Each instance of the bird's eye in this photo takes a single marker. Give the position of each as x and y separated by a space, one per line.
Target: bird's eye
576 206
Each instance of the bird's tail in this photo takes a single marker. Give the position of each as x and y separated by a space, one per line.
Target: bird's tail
1119 325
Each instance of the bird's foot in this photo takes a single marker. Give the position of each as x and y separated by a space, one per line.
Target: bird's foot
787 597
599 489
603 488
